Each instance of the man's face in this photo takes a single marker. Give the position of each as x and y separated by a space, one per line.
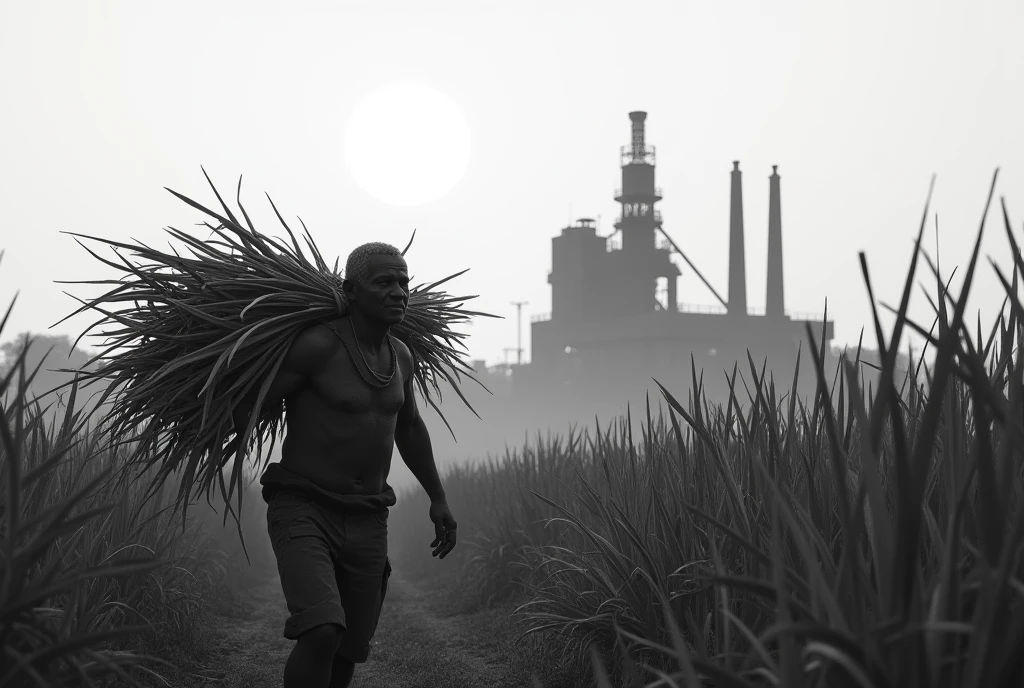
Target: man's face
383 292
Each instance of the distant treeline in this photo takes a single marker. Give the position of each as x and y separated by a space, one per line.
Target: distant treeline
54 352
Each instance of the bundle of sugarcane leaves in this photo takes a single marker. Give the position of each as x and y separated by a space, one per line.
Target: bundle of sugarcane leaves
203 331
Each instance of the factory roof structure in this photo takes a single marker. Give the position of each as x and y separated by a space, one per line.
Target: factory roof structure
607 312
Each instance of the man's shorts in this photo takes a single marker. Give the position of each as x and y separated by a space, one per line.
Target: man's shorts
334 568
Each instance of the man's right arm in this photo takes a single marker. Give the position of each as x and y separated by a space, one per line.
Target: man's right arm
307 355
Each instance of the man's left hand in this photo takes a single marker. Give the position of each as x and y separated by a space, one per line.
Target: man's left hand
444 529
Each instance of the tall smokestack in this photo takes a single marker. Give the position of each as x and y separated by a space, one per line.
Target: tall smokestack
737 262
638 117
775 306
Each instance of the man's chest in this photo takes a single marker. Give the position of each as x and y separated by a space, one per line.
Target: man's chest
351 387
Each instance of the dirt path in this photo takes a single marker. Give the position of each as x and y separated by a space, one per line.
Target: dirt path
419 644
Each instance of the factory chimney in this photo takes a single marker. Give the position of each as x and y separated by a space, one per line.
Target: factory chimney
775 304
637 118
737 263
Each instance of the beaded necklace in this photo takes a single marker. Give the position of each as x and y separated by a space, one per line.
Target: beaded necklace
383 380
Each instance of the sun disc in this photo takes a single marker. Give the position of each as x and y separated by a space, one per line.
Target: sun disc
407 144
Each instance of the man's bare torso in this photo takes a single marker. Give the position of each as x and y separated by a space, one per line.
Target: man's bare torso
340 431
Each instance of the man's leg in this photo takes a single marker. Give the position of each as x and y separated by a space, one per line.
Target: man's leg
304 541
309 664
341 672
362 576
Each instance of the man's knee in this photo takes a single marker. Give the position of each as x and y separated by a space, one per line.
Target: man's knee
323 639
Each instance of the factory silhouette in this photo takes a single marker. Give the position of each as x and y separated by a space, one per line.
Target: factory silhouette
616 322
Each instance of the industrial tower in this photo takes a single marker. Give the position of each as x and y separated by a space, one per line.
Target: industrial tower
588 281
641 261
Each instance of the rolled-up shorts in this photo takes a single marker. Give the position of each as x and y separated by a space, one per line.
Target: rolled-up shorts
334 568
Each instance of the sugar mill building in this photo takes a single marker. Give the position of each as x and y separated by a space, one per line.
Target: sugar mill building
616 319
606 314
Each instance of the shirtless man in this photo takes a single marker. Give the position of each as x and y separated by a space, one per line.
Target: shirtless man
348 392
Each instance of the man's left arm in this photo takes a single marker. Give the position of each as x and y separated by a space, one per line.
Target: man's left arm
413 442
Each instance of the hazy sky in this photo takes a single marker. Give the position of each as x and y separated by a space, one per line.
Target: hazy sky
102 104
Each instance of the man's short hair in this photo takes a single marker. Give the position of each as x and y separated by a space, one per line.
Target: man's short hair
359 260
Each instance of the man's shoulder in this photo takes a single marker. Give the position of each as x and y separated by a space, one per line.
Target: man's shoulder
401 348
316 341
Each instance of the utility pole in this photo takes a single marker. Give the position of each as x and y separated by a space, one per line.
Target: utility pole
506 350
519 328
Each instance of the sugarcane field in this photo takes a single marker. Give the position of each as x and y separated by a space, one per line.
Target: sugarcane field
261 424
